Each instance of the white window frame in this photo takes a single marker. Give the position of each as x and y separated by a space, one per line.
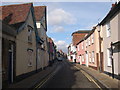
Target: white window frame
92 38
109 60
82 45
89 41
30 57
30 30
86 43
90 57
93 56
108 29
78 47
83 58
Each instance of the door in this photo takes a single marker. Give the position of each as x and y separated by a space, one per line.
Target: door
102 64
86 59
10 64
97 57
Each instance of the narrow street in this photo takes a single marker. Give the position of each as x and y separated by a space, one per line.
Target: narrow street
68 76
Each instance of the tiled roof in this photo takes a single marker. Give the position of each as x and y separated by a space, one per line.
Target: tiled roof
39 12
13 14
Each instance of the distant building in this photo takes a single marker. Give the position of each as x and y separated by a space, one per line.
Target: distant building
76 37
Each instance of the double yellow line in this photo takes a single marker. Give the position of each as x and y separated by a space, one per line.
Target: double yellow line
89 78
43 82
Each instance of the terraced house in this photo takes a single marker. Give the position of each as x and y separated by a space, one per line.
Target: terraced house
110 26
42 48
100 48
24 34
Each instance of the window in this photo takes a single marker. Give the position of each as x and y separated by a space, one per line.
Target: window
82 58
82 45
89 40
109 61
38 25
90 57
92 38
78 47
93 60
86 43
108 31
30 58
30 29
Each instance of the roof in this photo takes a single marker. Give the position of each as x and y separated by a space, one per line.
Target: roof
7 29
50 40
84 38
81 31
17 13
39 12
114 10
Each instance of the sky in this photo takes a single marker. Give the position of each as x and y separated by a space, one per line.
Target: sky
64 18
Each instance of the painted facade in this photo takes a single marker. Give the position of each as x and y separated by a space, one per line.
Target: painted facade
43 55
8 54
26 47
111 41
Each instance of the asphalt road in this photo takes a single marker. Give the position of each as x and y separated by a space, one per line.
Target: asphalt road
68 76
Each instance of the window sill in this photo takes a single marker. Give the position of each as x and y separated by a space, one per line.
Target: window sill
30 42
29 65
109 66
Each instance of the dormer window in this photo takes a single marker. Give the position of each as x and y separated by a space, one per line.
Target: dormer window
30 29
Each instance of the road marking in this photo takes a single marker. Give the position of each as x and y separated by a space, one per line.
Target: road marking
76 67
46 79
89 77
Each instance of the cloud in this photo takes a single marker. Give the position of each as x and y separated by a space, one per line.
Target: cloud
57 29
60 17
62 45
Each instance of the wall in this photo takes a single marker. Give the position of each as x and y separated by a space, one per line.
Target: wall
45 55
21 49
106 43
0 57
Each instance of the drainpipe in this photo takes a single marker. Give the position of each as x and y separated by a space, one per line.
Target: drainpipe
112 60
100 61
36 54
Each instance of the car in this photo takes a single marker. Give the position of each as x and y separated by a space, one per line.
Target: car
60 59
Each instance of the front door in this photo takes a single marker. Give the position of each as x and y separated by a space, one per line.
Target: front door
10 64
86 59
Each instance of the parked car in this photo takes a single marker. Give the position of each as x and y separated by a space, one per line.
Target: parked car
60 58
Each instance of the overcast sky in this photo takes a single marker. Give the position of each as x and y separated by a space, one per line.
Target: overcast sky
64 18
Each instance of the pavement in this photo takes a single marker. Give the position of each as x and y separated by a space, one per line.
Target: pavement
104 80
33 80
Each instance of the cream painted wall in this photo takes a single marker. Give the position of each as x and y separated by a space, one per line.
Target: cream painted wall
21 49
106 43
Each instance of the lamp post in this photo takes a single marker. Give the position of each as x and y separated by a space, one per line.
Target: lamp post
100 61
